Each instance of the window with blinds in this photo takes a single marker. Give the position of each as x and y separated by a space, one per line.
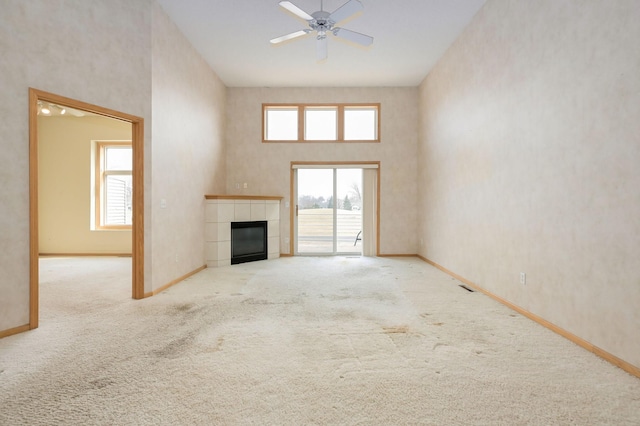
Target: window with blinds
114 185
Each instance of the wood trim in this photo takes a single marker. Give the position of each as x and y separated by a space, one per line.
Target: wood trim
34 242
320 104
334 163
113 228
85 255
137 143
243 197
15 330
378 185
629 368
286 255
340 123
264 125
301 127
319 141
379 123
396 255
174 282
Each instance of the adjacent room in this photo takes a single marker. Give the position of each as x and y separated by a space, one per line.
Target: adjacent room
441 199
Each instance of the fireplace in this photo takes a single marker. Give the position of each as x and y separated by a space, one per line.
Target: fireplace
248 241
222 210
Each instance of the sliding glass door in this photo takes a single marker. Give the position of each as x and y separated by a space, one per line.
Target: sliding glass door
348 210
328 217
314 211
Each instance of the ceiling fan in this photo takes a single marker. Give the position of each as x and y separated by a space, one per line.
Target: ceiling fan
324 22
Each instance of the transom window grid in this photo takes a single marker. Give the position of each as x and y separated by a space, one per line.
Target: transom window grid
113 185
320 123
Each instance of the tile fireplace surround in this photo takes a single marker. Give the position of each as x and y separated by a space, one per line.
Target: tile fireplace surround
221 210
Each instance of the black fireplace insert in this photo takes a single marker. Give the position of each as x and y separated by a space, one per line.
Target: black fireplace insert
248 241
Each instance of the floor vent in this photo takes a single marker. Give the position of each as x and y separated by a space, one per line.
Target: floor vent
466 288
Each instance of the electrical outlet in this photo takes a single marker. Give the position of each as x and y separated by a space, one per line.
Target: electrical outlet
523 278
176 257
286 241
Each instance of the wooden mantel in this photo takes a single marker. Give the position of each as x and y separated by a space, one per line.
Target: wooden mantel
243 197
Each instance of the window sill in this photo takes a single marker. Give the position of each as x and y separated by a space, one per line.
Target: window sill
328 141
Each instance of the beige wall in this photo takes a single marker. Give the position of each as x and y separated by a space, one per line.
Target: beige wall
526 141
528 153
112 53
188 150
97 52
265 167
65 184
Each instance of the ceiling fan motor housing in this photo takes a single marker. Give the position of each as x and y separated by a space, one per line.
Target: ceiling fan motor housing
321 23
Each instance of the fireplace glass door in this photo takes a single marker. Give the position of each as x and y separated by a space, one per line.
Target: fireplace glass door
248 241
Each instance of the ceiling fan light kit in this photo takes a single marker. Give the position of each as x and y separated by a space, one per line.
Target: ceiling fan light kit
323 22
50 110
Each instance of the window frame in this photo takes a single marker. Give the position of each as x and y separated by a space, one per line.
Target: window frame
100 176
340 107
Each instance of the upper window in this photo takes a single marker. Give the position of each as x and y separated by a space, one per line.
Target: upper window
281 124
114 185
321 122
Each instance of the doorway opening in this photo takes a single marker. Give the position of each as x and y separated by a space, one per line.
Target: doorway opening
37 98
335 209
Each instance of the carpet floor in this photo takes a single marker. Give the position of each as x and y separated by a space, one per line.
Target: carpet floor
293 341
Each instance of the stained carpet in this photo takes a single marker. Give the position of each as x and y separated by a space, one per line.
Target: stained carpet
293 341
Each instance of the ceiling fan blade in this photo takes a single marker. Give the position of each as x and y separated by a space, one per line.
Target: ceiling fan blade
289 36
353 36
296 10
346 10
321 49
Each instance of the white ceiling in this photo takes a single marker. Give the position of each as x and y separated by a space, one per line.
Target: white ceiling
233 37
